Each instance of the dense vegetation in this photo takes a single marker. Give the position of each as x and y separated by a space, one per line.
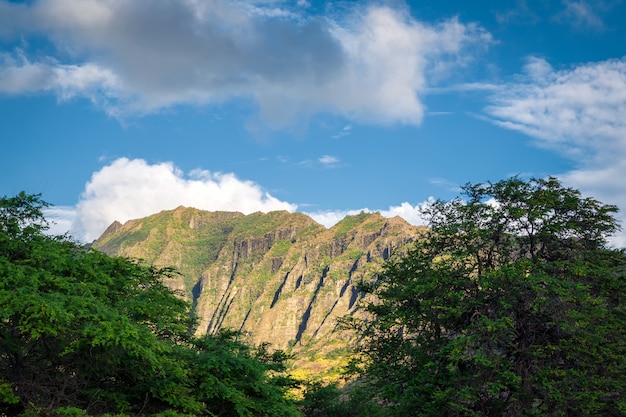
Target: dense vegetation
82 333
512 304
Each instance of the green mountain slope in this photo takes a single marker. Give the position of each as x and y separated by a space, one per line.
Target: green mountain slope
280 277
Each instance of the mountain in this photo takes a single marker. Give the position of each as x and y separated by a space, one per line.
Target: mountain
279 277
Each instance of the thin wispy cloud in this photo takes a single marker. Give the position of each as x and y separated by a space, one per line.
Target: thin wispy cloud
346 131
580 14
132 58
19 75
578 112
521 13
440 113
445 184
61 220
328 160
465 87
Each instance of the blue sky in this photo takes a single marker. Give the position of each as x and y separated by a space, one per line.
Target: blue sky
114 110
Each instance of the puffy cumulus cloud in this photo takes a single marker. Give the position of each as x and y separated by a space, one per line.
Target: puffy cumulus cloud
371 63
580 113
412 214
387 60
128 189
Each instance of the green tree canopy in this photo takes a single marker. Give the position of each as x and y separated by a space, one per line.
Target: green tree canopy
512 304
82 333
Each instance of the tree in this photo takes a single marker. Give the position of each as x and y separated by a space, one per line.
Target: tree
82 333
232 379
512 304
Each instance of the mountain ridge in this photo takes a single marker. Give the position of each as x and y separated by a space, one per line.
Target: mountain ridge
278 277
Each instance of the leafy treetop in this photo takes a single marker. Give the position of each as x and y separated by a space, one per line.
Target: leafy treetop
82 334
511 305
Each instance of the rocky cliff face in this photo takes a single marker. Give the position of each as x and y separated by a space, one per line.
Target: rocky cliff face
280 277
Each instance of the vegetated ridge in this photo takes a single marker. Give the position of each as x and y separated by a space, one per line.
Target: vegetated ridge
278 277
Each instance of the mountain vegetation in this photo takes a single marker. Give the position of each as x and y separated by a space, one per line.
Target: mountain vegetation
278 277
511 303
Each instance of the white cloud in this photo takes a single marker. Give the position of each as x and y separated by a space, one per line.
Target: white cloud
607 185
328 160
446 184
128 189
537 68
389 58
580 14
520 13
19 75
580 113
332 217
372 64
61 219
575 110
346 131
410 213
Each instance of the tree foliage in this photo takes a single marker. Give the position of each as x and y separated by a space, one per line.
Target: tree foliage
511 305
82 333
